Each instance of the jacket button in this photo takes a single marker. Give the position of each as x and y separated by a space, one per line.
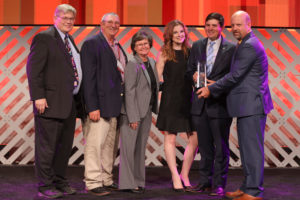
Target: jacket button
121 94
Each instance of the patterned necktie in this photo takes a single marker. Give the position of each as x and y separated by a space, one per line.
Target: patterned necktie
117 52
210 58
76 81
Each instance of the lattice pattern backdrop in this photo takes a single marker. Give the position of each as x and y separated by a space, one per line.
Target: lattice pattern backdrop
282 136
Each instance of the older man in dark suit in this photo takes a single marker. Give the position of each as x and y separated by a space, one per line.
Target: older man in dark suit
249 100
103 63
54 77
210 116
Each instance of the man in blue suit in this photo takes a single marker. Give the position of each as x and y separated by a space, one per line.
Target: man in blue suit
209 116
249 100
103 63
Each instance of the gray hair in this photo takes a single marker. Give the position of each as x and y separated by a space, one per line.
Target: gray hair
107 14
64 8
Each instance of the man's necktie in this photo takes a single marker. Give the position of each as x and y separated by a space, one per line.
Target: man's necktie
210 57
76 82
117 52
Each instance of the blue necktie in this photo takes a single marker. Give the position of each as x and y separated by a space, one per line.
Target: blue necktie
210 58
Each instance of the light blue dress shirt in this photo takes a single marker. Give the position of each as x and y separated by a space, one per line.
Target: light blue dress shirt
76 57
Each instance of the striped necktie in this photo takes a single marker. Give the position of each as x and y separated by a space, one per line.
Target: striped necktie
68 47
210 57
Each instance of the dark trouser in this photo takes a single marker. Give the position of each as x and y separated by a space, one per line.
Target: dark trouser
53 145
251 141
213 135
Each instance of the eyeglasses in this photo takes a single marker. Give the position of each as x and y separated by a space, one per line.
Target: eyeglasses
67 19
110 22
142 44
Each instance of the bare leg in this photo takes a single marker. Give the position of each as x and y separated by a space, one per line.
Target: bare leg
188 158
170 153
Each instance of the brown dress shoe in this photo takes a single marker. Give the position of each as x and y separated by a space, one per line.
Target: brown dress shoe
235 194
248 197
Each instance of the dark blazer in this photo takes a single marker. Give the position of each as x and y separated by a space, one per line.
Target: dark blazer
51 75
102 82
247 80
215 107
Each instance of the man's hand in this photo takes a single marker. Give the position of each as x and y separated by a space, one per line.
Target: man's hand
94 115
41 105
134 125
203 92
195 76
210 82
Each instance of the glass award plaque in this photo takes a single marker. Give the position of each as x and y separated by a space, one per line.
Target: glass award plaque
201 79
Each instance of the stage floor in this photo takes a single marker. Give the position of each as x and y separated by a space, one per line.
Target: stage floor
19 183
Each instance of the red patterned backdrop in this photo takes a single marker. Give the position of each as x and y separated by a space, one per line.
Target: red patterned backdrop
282 139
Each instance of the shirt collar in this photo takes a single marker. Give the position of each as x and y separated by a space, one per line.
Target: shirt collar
115 42
218 41
62 35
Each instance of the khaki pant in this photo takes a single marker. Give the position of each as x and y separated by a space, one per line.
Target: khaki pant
100 152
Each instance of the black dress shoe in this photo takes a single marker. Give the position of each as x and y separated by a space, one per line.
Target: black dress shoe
137 190
142 189
66 190
218 191
50 193
99 191
113 186
188 188
201 188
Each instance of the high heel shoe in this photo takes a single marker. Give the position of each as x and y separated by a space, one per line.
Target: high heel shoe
187 188
178 189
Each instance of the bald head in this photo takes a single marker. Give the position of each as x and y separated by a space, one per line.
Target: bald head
240 24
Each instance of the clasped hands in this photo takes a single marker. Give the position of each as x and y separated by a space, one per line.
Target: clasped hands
204 91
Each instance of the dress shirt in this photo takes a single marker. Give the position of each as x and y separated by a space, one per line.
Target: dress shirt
118 54
215 48
76 57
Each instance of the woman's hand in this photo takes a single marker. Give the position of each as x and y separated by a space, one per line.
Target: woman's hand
134 125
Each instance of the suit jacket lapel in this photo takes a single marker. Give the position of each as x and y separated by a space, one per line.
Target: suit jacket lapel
111 53
73 42
144 69
107 46
239 46
152 63
126 60
202 51
62 46
221 53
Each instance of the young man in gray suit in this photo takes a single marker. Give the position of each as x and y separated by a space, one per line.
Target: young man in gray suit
249 100
103 63
209 116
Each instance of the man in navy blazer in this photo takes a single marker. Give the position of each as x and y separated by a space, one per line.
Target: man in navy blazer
103 63
56 94
209 116
249 100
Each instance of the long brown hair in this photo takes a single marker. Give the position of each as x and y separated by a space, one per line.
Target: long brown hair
167 49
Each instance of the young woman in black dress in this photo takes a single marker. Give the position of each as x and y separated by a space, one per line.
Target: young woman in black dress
174 112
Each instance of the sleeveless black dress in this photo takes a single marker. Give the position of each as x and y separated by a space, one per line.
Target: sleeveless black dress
175 105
